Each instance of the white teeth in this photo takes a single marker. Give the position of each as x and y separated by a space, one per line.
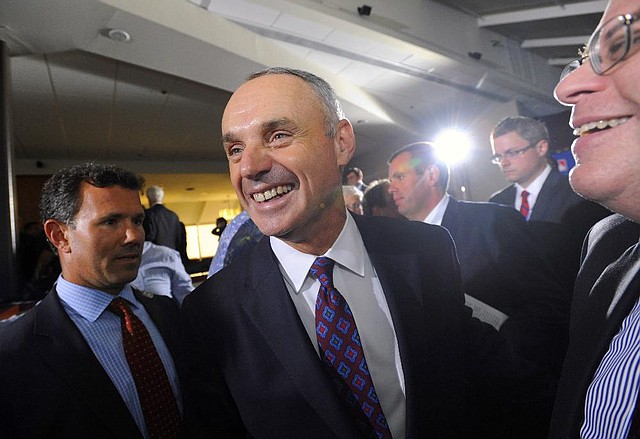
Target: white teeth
270 193
601 124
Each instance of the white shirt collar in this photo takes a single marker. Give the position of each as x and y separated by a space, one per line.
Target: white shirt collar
347 251
437 213
536 185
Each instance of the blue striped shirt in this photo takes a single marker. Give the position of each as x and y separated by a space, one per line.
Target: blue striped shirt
86 308
612 395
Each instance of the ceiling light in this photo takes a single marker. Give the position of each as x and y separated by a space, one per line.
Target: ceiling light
122 36
453 146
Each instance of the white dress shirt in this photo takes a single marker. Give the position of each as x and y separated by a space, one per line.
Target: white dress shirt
534 190
437 213
356 279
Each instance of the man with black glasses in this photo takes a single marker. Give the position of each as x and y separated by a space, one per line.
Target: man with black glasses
558 218
598 393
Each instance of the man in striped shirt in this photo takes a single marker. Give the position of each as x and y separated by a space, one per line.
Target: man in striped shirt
598 392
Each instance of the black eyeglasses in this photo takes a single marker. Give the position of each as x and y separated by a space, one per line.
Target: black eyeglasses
609 44
496 159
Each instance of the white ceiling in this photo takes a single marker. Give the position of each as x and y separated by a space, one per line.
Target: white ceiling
154 103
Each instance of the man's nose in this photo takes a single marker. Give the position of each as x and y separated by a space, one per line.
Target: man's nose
255 161
134 232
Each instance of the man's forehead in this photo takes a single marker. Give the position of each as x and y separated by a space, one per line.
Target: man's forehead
264 88
619 7
265 99
109 197
507 140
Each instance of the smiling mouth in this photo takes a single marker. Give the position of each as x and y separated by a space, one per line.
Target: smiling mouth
600 125
261 197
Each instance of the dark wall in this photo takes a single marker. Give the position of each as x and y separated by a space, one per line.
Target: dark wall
560 133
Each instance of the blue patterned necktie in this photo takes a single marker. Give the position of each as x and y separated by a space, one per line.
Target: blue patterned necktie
342 354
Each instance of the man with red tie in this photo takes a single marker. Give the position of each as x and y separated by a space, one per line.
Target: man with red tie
95 357
558 217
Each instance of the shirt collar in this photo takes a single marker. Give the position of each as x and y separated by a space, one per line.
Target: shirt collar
88 302
347 251
536 185
437 213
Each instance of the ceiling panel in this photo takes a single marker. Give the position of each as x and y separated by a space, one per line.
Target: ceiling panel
160 97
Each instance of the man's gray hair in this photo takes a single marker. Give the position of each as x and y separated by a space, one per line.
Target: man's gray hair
331 105
351 190
155 194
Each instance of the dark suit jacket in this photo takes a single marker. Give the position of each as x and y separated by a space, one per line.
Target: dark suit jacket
559 221
162 227
593 323
53 386
501 267
252 367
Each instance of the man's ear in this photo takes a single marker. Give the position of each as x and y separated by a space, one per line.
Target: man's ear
57 234
542 147
432 175
345 142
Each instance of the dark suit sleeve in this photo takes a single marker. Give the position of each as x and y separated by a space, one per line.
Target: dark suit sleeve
149 226
209 410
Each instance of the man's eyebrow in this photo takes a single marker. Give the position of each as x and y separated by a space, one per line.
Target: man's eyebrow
119 215
228 137
272 125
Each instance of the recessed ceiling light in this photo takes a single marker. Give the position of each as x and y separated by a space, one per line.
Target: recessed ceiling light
119 35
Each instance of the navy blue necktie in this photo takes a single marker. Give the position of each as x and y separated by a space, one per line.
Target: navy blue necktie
341 350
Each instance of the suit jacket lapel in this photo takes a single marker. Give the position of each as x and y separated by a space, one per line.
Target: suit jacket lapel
288 339
399 279
399 276
450 218
544 201
64 350
159 309
607 306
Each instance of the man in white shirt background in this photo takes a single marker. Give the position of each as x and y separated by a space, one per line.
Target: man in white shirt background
558 217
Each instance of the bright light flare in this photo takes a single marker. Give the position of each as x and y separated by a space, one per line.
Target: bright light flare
453 146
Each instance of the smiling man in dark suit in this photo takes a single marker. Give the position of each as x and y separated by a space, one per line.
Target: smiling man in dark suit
256 333
598 391
65 367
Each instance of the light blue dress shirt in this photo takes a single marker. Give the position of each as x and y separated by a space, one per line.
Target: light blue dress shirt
101 329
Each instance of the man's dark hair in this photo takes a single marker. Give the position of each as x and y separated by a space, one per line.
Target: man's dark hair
61 193
376 195
529 129
424 154
357 171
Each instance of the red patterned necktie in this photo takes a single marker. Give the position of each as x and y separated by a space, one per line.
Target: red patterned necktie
524 207
158 402
341 351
